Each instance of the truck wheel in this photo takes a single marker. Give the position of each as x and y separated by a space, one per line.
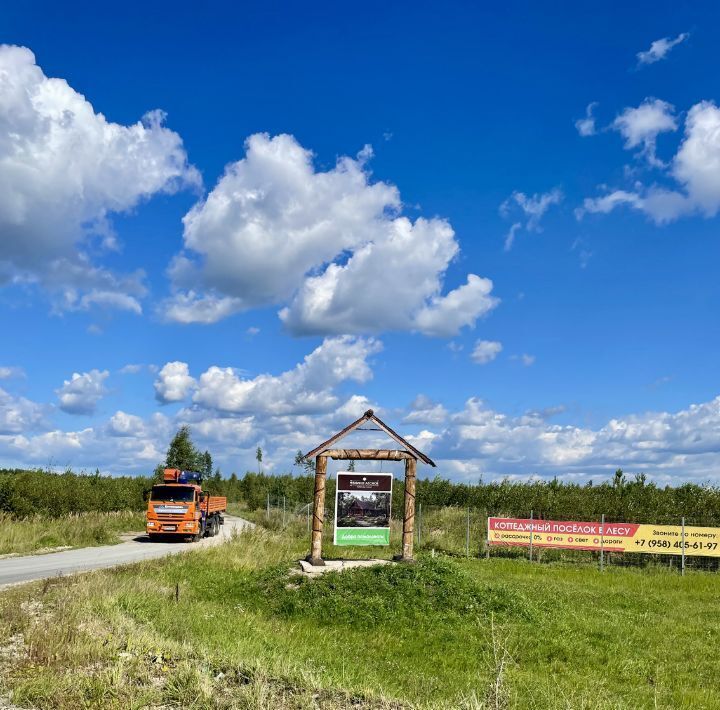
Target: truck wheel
212 530
200 533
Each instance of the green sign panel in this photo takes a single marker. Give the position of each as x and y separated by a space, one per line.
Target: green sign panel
362 508
362 536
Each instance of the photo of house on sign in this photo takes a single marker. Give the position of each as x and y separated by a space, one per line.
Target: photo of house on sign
362 508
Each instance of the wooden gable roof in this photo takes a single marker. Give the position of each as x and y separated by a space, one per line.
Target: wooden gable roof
369 416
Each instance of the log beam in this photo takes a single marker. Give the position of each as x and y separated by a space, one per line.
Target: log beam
368 454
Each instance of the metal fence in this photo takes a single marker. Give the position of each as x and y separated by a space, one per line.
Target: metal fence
281 511
464 531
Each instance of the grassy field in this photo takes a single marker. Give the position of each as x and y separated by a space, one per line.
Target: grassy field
38 532
228 627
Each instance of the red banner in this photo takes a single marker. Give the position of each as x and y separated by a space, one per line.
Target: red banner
558 533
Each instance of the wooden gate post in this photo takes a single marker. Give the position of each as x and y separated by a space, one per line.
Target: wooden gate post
315 557
409 518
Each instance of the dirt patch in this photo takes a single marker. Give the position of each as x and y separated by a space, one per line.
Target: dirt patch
336 566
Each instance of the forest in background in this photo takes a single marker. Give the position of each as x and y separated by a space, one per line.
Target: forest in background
24 493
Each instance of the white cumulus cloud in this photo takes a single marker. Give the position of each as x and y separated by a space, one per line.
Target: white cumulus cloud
64 170
122 424
485 351
697 163
669 447
131 369
657 203
206 308
695 168
18 414
173 383
640 126
424 411
82 392
125 444
7 372
330 245
303 405
307 388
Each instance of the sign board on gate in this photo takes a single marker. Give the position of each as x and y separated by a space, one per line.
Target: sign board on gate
612 537
362 508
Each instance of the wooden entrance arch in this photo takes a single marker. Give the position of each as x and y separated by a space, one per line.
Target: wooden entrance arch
322 453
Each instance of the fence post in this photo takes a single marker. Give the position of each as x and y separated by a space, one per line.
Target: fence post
682 543
531 534
267 510
309 505
467 534
419 524
486 523
283 511
602 542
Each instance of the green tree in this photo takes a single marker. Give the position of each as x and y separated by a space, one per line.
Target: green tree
351 465
159 473
216 482
308 465
618 480
207 465
258 456
232 488
182 453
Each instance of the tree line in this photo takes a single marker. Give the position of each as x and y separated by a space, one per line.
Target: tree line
625 498
24 493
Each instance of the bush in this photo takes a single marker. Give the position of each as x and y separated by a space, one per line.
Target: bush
429 592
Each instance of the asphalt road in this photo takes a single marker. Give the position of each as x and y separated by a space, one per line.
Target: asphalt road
14 570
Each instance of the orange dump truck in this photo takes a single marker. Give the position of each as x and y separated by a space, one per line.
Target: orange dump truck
179 506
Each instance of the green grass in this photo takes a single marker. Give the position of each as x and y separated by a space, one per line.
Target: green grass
446 632
38 532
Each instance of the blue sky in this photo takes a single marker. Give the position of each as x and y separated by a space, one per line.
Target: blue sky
496 227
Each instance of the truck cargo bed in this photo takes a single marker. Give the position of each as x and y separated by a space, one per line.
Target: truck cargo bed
216 504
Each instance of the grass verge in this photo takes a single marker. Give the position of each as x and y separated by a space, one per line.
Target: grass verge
228 627
27 535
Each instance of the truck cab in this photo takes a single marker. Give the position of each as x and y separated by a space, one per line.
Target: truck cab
179 507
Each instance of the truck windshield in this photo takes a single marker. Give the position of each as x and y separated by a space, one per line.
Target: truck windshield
172 493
